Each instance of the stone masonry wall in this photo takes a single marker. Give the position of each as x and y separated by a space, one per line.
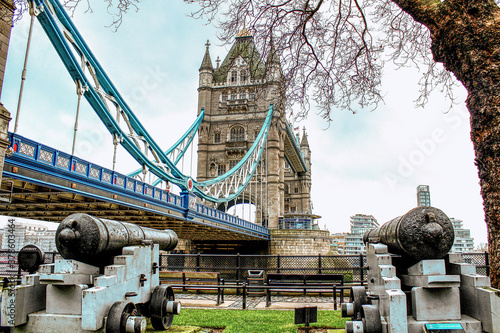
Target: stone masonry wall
6 12
299 242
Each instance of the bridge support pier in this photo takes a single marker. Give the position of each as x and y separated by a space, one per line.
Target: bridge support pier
299 242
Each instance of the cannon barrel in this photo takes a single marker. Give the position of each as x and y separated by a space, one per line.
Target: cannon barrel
95 241
422 233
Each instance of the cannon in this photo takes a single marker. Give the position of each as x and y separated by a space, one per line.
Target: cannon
96 241
107 281
414 285
422 233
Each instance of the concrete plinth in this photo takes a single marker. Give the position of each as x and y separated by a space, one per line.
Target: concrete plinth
53 323
469 324
65 299
435 303
299 242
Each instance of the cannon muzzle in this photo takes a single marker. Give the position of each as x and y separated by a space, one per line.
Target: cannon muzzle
422 233
95 241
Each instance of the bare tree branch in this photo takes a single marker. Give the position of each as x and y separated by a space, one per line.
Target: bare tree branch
328 50
116 9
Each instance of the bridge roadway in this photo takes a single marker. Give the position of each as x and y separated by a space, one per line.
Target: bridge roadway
45 184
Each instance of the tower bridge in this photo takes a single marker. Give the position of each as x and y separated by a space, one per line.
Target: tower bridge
233 95
248 154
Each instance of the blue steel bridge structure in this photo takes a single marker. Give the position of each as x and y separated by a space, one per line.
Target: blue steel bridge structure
43 183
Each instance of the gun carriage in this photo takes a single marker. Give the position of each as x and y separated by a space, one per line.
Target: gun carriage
107 281
414 285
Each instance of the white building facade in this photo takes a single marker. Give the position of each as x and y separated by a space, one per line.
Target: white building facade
360 223
463 243
24 233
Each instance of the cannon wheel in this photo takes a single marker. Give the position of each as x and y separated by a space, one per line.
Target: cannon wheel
160 319
117 316
371 318
358 297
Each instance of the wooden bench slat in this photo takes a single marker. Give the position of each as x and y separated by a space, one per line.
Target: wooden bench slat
201 275
170 275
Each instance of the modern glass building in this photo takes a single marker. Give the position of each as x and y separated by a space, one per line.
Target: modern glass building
360 223
423 196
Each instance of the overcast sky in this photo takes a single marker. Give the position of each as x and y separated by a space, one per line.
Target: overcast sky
368 163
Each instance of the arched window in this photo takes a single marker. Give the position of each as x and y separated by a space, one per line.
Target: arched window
237 133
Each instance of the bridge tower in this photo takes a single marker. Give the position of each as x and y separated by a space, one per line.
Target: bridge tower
236 95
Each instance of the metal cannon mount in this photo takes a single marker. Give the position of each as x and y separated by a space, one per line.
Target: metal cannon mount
408 294
73 296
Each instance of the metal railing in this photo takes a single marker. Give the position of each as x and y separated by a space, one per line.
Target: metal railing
47 158
235 267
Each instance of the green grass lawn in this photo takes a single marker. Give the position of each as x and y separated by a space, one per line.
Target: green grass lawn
261 321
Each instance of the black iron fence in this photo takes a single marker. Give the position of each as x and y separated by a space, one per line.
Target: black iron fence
481 260
236 267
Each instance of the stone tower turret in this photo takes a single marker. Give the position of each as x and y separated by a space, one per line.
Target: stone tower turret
236 97
274 72
306 178
206 77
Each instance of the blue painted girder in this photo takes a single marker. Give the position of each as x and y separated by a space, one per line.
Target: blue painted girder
50 14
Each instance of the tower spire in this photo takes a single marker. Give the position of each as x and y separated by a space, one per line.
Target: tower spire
272 57
304 142
207 62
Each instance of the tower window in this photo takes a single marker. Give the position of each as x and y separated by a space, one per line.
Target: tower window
217 137
221 169
237 133
232 163
234 76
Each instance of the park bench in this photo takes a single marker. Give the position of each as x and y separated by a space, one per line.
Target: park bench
194 281
209 280
304 283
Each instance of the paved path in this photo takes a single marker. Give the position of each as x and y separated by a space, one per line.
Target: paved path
192 300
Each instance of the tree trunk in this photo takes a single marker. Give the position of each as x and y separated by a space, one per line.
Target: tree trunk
468 44
466 39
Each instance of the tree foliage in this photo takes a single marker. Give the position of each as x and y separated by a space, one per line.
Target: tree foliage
116 9
333 52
